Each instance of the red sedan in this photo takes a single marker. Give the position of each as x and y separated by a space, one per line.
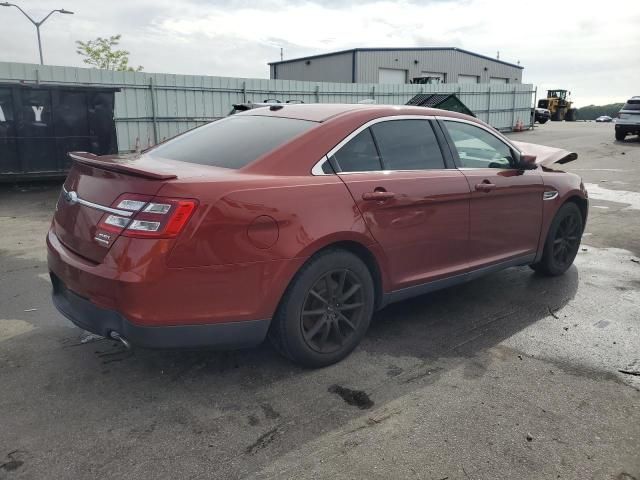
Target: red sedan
297 222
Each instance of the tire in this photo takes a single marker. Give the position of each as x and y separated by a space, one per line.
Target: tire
571 115
562 242
543 121
326 310
620 135
555 116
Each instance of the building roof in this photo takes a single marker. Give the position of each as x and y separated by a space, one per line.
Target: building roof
416 49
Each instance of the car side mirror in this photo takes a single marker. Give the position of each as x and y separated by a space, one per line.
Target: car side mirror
528 162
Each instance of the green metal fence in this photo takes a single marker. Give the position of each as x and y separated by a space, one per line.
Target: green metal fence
153 106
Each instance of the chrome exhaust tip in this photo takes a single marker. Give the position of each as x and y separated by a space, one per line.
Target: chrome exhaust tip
116 336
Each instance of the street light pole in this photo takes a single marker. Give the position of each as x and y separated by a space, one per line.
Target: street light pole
39 44
37 24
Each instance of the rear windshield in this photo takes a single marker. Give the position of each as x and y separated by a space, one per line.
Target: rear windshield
232 142
632 105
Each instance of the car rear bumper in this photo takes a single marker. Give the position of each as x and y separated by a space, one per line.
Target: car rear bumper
134 293
102 321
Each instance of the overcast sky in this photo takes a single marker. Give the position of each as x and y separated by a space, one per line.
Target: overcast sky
589 47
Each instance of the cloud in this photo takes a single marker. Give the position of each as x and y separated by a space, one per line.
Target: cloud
584 52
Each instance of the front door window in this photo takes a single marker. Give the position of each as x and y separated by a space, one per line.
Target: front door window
477 148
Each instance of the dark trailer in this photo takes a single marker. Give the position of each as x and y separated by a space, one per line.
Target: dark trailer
39 124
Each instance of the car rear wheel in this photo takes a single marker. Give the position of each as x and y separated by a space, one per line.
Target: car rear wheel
326 310
620 135
563 241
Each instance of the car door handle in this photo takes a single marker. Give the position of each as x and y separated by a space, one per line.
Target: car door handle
485 186
378 195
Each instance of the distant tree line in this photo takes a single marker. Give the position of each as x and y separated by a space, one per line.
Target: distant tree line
592 112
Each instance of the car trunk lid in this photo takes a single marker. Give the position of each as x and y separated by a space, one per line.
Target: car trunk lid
91 190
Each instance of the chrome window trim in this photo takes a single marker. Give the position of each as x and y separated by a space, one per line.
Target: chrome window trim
488 130
97 206
484 169
387 172
317 168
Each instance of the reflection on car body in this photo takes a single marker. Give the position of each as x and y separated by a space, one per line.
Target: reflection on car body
297 222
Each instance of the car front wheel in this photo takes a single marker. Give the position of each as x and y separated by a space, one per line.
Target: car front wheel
620 135
325 311
563 241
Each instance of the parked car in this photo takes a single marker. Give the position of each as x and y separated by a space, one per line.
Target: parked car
604 118
542 115
297 222
628 121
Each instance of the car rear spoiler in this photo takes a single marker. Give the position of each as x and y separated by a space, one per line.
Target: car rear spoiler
132 164
546 156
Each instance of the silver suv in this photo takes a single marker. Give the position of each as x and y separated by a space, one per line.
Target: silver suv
628 121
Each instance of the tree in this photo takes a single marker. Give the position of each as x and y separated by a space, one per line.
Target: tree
592 112
101 54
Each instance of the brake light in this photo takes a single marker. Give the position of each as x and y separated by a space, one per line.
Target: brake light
183 212
147 217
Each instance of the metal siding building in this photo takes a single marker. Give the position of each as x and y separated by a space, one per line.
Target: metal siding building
364 65
336 68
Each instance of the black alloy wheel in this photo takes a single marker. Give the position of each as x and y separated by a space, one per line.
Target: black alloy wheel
567 240
563 241
332 311
326 309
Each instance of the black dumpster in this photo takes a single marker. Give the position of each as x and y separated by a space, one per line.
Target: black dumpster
443 101
40 124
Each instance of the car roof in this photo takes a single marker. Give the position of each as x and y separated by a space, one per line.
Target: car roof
320 112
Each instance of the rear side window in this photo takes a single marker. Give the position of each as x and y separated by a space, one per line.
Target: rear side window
408 145
232 142
632 105
358 155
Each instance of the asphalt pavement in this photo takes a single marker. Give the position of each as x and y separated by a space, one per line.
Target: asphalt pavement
513 376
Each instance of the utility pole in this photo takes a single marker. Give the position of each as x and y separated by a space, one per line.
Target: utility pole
37 24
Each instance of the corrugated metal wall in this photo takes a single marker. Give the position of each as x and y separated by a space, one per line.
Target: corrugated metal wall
450 62
153 106
330 68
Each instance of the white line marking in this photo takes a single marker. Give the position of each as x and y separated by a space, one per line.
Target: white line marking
631 199
13 328
601 170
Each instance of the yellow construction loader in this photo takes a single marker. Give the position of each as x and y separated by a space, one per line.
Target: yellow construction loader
559 105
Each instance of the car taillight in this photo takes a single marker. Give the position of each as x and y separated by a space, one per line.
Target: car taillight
143 216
